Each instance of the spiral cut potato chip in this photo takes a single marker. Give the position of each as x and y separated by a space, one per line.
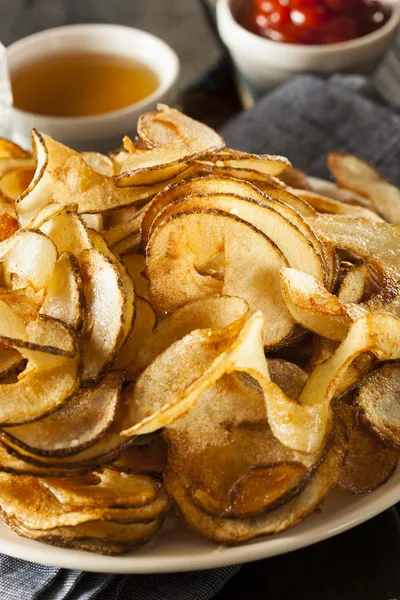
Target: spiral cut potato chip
181 320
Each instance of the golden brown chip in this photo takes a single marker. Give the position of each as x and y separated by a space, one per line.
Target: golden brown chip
378 399
80 423
178 276
147 458
26 499
104 319
354 174
369 462
232 531
105 488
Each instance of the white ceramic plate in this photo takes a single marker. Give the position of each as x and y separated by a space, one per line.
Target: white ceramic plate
177 548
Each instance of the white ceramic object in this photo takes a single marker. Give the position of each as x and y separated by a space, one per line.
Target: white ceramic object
100 132
178 549
266 64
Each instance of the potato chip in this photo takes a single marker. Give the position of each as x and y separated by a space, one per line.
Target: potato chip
323 204
229 531
104 318
78 424
178 276
356 175
369 462
64 294
378 400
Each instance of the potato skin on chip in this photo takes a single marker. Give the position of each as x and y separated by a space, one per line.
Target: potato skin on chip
227 456
214 312
378 399
64 295
233 531
369 463
176 275
103 328
78 424
356 175
28 500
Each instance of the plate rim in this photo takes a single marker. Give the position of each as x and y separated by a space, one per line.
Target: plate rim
217 557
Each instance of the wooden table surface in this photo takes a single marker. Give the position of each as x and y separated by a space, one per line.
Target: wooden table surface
181 23
362 564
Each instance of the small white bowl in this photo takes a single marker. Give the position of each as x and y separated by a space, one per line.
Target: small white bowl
99 132
266 64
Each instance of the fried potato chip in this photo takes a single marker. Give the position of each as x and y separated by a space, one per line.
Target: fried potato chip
8 225
149 459
64 294
38 391
378 401
215 312
324 348
78 424
127 283
183 372
369 462
103 452
11 362
145 322
9 149
356 175
154 166
212 184
232 531
295 178
288 197
99 162
29 255
331 190
121 216
108 488
227 456
97 536
178 276
9 164
136 267
36 337
13 183
104 325
167 125
324 204
68 232
313 307
265 164
94 221
24 498
296 247
288 376
353 284
119 232
11 462
376 244
63 177
130 244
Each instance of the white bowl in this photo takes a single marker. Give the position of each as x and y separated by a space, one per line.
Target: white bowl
100 132
265 63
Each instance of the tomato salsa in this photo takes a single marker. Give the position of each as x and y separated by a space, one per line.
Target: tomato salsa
313 21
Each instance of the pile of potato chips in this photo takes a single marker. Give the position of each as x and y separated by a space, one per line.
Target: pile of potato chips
182 323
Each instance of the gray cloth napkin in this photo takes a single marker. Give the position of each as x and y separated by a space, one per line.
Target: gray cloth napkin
21 580
308 117
304 120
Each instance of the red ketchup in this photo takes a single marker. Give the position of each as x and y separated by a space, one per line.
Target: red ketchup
313 21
